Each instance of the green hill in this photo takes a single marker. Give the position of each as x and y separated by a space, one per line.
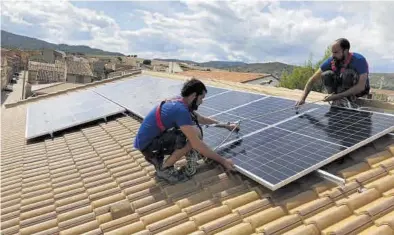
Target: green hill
14 41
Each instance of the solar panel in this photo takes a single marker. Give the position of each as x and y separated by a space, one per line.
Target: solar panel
66 111
214 136
270 110
288 150
340 126
232 99
139 95
275 157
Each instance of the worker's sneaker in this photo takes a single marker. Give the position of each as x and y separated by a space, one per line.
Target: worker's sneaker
172 175
191 166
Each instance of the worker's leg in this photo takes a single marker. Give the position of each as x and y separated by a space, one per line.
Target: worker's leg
330 81
182 148
349 79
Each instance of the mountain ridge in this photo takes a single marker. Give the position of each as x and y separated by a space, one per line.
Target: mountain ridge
11 40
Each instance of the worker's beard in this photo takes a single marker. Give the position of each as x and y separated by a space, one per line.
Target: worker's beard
194 105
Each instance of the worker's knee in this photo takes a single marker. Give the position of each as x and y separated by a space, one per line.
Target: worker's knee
329 81
349 78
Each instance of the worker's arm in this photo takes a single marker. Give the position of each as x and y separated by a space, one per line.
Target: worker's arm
308 86
356 89
202 148
208 121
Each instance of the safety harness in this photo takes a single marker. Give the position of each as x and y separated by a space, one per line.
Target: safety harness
345 65
158 115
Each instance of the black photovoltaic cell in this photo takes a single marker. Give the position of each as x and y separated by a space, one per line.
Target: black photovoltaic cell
275 155
205 111
214 91
340 126
270 110
213 136
230 100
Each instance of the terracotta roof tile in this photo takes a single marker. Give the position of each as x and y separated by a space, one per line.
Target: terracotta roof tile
253 207
351 225
128 229
168 222
329 217
119 222
357 199
386 220
377 208
313 207
380 230
368 176
181 229
281 225
221 223
265 216
38 227
240 229
304 230
81 229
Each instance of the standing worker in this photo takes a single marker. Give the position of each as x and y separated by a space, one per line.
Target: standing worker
169 129
344 75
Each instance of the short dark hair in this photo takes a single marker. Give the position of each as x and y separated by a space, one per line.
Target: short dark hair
344 43
191 86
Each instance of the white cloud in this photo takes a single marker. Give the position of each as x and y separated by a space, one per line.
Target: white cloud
252 31
62 22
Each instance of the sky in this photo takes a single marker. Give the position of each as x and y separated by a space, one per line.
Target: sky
250 31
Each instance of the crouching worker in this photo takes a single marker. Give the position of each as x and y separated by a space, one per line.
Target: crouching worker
169 129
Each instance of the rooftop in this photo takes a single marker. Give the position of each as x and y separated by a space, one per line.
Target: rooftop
79 68
90 180
224 75
36 66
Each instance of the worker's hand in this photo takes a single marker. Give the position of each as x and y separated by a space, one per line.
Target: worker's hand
233 126
330 98
300 102
228 165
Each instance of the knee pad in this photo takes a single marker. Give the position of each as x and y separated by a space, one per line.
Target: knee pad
349 78
330 81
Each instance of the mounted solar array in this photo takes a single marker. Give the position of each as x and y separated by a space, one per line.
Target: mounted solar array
55 114
275 145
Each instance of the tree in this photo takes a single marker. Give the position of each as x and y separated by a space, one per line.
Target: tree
147 62
298 78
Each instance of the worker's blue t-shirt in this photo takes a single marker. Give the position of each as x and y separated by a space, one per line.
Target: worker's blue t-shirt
173 114
358 63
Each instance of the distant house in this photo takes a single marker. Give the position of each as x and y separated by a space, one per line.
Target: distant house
48 56
78 72
43 73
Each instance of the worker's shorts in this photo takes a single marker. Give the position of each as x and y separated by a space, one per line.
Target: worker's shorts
165 144
337 84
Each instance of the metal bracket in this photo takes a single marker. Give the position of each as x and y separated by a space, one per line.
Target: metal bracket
333 178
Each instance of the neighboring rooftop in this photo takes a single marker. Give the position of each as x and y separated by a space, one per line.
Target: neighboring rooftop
37 66
224 75
90 180
79 68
